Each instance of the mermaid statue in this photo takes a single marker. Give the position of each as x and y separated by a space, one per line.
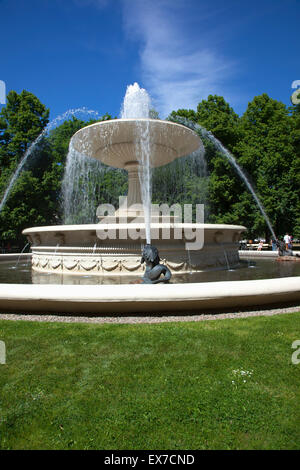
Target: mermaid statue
154 269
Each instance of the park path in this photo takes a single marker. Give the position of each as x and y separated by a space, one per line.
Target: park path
148 318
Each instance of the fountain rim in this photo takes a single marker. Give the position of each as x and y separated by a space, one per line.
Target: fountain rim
187 298
89 227
109 121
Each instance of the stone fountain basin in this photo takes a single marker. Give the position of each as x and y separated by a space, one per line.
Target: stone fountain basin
77 249
148 299
117 142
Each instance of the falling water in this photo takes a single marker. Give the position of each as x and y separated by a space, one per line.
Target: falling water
173 183
189 261
79 188
145 174
29 151
21 254
233 162
137 105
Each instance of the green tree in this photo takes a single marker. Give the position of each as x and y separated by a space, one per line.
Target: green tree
21 122
295 165
265 142
266 152
217 116
35 197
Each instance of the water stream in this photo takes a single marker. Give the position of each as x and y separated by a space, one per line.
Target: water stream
137 105
21 254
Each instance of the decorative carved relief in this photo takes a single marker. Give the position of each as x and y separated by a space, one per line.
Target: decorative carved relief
218 237
35 261
55 263
71 264
88 265
110 267
131 264
131 267
175 266
44 262
236 237
61 239
36 239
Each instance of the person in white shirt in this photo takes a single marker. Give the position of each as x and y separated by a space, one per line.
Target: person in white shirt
287 241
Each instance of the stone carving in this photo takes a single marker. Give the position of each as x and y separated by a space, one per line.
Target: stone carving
71 264
88 265
132 267
110 267
55 263
44 262
175 266
236 237
218 237
36 239
61 239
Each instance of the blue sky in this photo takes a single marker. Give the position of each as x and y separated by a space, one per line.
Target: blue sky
74 53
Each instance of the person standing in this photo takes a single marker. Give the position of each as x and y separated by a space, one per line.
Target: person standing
287 241
274 244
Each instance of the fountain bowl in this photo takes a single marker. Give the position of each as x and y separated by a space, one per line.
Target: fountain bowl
116 142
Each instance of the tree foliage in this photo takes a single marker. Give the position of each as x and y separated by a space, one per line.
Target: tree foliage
265 141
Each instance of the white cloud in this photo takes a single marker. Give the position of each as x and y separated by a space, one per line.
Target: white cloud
176 69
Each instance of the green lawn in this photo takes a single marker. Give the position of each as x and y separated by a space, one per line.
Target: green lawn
224 384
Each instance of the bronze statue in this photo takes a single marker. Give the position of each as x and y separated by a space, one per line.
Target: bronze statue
153 269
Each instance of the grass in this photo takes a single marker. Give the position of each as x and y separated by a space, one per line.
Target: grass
224 384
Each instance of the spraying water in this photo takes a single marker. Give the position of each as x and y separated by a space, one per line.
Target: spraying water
32 147
137 105
232 161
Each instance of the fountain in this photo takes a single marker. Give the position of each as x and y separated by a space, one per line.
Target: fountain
136 144
111 249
